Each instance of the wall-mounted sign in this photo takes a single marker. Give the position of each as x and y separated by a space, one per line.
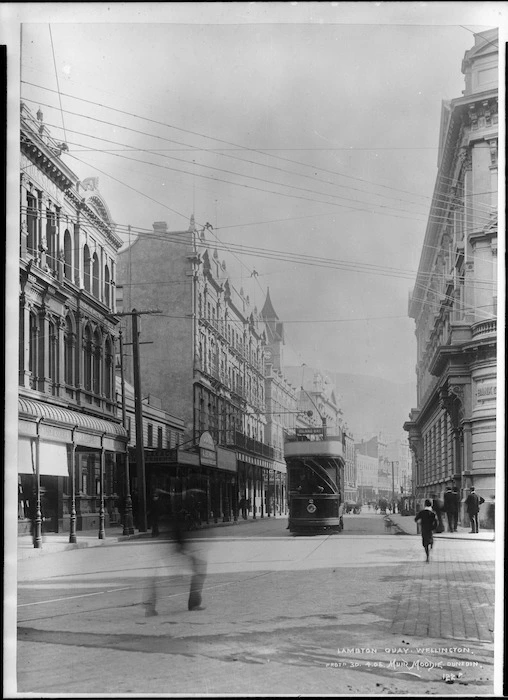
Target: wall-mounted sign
486 391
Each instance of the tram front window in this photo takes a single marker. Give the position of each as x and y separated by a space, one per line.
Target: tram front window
309 483
304 480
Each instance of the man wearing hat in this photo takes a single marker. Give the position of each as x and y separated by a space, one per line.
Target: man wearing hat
451 508
473 503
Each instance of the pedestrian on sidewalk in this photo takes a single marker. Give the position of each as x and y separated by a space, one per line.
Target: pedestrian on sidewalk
196 558
451 508
473 503
429 523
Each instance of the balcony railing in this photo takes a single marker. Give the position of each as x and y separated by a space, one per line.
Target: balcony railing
484 328
243 442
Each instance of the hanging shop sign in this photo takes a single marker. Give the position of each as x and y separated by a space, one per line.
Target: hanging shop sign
207 450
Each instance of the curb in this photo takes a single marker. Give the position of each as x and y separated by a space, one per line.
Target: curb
488 537
29 552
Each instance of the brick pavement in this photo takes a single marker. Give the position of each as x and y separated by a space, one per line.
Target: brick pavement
451 597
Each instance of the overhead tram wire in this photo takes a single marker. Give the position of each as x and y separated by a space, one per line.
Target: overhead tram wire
155 152
302 259
259 151
152 152
283 194
348 207
258 179
262 252
57 82
273 254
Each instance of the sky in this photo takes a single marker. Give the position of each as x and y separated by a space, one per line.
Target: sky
294 129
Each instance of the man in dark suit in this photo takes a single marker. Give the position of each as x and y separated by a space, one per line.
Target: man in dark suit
451 508
473 503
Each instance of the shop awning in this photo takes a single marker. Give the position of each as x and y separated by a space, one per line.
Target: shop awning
58 424
53 458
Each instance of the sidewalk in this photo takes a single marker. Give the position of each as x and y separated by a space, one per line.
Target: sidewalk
406 524
59 541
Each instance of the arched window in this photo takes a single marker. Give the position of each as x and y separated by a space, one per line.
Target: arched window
87 356
97 353
67 255
69 352
108 369
107 295
87 263
95 276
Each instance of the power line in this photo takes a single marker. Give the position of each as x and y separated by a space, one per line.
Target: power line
349 207
243 148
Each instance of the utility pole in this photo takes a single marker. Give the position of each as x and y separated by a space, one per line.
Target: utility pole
128 525
138 406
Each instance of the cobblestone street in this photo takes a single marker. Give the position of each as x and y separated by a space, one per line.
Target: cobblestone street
353 613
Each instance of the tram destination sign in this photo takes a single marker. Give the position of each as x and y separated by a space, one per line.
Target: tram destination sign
309 431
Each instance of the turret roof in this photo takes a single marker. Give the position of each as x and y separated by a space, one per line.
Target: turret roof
268 312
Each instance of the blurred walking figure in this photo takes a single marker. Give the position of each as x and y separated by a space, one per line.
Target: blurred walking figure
179 529
155 512
429 523
451 508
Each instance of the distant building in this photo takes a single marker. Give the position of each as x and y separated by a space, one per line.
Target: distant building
318 401
69 430
350 468
206 362
367 477
452 430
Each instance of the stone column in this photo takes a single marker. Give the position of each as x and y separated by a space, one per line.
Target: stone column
24 342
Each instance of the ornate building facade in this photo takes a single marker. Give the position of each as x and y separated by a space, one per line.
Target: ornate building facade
452 431
69 434
206 362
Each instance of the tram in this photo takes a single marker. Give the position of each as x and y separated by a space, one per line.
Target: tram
315 472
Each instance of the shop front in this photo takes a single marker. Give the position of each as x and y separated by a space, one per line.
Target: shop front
68 469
